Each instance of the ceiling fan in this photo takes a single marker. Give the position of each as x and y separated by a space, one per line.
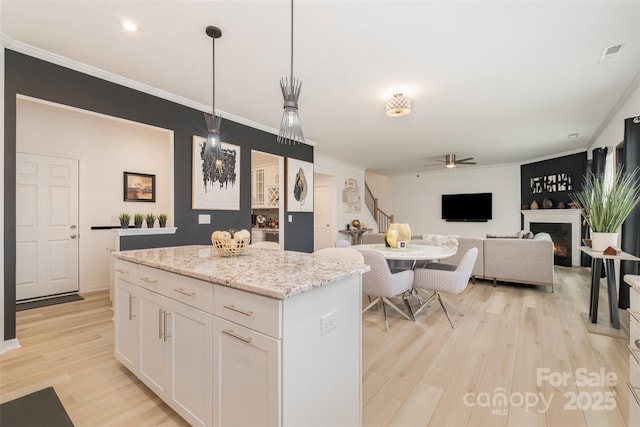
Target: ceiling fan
451 162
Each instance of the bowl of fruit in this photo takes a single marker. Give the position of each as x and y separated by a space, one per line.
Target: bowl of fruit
230 243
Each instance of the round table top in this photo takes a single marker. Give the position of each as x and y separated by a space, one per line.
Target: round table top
412 252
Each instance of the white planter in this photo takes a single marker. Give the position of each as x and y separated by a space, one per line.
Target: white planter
601 241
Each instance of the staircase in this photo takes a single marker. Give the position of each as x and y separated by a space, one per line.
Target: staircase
382 218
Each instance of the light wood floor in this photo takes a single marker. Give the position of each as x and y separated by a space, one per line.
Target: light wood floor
418 374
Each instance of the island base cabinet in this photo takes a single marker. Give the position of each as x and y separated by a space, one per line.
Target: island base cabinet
176 356
126 347
246 375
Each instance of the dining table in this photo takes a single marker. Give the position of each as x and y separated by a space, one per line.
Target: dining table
410 253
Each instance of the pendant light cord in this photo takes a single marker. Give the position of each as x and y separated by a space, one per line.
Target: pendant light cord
291 76
213 74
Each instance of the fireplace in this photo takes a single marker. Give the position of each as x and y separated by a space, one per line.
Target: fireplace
561 235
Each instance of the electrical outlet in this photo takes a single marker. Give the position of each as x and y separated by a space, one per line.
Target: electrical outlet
204 219
328 322
290 218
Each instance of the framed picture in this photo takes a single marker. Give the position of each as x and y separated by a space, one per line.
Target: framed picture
351 196
299 186
215 182
139 187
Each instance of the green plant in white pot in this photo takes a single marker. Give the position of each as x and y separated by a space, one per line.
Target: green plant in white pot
605 205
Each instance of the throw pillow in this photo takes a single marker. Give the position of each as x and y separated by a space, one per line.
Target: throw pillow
502 236
525 234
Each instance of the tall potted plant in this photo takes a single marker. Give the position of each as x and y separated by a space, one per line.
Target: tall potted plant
606 205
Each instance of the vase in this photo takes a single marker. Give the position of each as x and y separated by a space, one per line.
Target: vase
601 241
398 232
534 205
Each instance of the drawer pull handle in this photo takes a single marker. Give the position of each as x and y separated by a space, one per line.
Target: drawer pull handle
238 310
131 315
148 280
183 292
160 324
633 392
633 353
240 337
634 315
120 270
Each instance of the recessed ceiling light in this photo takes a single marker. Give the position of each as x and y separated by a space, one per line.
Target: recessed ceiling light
129 25
573 135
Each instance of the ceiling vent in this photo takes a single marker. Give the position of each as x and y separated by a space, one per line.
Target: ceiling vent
610 53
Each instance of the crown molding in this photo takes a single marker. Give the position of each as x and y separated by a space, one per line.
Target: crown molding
44 55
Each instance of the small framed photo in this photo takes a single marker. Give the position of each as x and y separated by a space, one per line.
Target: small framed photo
402 244
139 187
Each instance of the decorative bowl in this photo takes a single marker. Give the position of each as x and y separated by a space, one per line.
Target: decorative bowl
230 247
587 242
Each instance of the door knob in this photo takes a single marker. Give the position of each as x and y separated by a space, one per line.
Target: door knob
73 236
73 227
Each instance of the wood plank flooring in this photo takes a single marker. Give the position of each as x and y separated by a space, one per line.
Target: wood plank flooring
421 373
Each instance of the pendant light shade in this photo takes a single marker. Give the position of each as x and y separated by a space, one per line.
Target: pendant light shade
290 126
213 121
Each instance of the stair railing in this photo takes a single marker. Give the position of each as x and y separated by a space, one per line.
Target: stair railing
382 218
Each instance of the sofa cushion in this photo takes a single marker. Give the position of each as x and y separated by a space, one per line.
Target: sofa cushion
449 241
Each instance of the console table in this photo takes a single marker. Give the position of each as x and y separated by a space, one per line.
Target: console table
355 234
597 257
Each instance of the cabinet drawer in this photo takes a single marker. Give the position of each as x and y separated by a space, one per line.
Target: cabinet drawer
187 290
260 313
126 271
634 327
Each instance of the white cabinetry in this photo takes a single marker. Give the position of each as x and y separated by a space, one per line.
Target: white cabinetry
221 356
166 343
265 186
634 357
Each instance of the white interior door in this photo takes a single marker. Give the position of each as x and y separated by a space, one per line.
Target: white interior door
46 226
324 229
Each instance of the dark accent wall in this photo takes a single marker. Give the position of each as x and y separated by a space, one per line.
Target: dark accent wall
574 165
36 78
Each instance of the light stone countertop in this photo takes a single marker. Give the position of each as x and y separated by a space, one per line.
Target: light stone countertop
633 281
276 274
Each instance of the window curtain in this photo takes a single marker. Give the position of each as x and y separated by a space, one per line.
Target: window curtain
631 227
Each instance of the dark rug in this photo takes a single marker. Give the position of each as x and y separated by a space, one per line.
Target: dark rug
38 409
46 302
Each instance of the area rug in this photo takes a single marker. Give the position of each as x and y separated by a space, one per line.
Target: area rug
46 302
38 409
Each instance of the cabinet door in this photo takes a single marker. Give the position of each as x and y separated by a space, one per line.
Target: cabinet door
258 188
246 375
154 350
189 334
126 325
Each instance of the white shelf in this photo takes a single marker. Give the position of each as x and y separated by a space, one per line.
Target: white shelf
144 231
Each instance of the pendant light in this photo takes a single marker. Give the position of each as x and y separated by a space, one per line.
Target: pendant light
213 121
290 126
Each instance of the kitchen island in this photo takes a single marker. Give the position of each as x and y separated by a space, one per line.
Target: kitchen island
264 338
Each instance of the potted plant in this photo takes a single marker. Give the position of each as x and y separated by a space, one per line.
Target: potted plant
162 220
150 219
606 205
137 220
124 220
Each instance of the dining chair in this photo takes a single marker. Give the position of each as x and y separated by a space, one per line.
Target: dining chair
444 278
274 246
381 284
347 254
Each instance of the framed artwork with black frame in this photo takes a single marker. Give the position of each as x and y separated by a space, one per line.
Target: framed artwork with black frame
139 187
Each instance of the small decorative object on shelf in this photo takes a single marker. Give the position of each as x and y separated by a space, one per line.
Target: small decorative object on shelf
150 219
356 223
228 244
124 220
162 220
534 205
137 220
547 203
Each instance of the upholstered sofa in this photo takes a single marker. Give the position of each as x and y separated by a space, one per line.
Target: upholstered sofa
528 261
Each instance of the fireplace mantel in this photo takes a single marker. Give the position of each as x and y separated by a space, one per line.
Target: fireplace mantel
571 216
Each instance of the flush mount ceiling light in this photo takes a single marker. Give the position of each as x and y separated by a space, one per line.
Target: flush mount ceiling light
290 126
213 121
398 105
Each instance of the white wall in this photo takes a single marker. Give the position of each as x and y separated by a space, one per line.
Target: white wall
379 185
613 133
343 171
105 148
417 199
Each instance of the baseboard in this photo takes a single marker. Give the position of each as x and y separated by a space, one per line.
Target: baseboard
9 345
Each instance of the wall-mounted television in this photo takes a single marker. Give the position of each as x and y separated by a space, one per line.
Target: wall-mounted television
474 207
